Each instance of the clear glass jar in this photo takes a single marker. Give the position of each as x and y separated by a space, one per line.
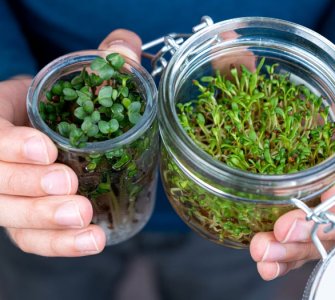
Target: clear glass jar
321 282
223 204
122 185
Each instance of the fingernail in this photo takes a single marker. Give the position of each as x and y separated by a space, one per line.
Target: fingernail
298 232
57 182
274 252
85 242
120 46
68 214
35 149
281 270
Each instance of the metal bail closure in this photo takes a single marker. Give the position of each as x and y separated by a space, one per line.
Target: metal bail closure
171 43
320 285
320 215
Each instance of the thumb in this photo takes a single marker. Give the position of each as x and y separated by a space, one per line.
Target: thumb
124 42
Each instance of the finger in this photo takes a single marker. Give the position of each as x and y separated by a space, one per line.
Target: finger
265 248
271 270
293 227
25 145
35 180
53 212
259 243
13 100
70 243
124 42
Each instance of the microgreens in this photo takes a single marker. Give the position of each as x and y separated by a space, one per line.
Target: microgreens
94 107
259 122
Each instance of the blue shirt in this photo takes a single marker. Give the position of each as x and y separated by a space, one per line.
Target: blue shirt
33 32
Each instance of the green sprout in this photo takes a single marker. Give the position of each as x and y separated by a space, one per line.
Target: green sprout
255 122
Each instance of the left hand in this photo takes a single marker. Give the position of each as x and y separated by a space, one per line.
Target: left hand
289 246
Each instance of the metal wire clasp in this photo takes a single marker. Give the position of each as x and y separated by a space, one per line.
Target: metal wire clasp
171 43
320 215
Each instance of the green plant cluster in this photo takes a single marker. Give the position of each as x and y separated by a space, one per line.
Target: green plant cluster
218 219
257 121
260 123
92 107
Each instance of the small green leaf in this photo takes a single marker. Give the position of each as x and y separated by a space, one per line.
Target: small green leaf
64 129
77 80
48 95
107 72
98 63
234 107
117 108
86 77
105 96
114 153
253 135
207 79
80 113
57 89
95 116
92 131
77 137
134 117
91 166
105 92
115 94
70 94
134 107
106 102
66 84
88 106
96 80
124 91
125 158
126 102
200 119
113 125
86 125
116 60
103 127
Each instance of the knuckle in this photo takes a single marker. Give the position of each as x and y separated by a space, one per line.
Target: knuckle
54 245
7 182
38 214
310 251
19 238
14 180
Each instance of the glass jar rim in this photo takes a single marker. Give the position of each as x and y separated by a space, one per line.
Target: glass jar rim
92 147
199 159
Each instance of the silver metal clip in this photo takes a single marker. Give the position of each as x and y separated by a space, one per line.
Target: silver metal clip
171 43
320 215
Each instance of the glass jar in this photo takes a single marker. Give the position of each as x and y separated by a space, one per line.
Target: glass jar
321 282
119 175
224 204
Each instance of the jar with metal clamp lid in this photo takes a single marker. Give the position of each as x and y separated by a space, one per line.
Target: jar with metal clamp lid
224 204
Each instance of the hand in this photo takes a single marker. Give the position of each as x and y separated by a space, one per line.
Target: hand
38 203
289 246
